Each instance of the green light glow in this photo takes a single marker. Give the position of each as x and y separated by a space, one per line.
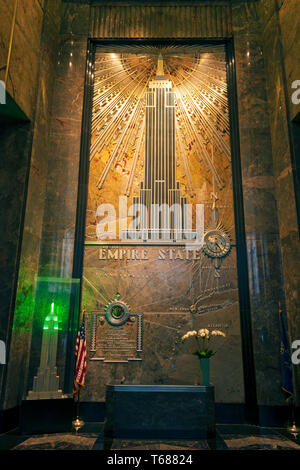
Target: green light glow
51 320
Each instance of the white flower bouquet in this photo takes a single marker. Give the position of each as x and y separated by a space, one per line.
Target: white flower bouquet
203 337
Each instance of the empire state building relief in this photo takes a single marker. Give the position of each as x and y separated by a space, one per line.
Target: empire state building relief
160 217
160 153
159 204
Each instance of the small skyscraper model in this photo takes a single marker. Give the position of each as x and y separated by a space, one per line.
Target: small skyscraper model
160 192
46 382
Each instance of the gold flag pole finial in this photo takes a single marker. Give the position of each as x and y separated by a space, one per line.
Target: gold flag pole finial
160 66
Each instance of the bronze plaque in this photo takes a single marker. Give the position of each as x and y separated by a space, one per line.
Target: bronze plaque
116 342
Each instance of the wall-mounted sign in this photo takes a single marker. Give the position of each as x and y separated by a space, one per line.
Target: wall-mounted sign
117 334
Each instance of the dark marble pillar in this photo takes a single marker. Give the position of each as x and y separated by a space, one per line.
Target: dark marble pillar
280 20
261 224
15 155
30 237
61 196
16 143
58 233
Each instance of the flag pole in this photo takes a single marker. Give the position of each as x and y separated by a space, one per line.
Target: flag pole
78 423
80 370
78 404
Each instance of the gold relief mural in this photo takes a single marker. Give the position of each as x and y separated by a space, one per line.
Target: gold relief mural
160 130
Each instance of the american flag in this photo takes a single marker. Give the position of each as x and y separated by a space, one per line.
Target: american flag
80 352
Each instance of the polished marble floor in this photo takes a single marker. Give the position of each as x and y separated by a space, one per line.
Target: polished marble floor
91 437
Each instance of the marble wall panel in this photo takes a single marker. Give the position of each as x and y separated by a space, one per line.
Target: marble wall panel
21 83
6 9
31 238
61 196
16 142
161 21
289 18
15 151
261 224
279 34
166 360
76 20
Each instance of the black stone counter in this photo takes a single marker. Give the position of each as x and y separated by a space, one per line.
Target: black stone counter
161 411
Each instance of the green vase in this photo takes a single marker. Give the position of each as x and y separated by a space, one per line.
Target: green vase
204 364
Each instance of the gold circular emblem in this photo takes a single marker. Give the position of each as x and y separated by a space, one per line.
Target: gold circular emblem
117 313
216 244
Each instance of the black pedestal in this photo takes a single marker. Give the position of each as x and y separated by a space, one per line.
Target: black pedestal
46 416
160 411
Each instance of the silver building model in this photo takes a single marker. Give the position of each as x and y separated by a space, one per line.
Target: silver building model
160 207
